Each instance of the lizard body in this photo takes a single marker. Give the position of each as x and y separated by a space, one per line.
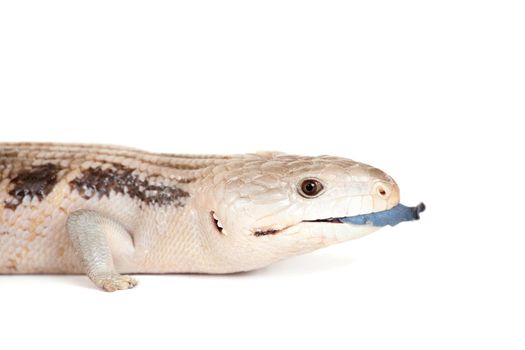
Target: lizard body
106 210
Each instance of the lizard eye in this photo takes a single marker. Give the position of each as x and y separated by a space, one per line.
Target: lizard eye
310 188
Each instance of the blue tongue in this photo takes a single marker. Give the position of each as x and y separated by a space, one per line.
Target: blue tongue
391 217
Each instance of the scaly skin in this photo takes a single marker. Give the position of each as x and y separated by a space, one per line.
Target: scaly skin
173 213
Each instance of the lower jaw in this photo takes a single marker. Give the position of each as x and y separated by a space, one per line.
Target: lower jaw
331 232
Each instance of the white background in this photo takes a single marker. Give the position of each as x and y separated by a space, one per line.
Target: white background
431 92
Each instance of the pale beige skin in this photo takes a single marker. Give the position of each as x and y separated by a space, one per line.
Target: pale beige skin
65 233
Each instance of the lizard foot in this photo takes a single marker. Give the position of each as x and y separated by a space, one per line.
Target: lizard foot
111 282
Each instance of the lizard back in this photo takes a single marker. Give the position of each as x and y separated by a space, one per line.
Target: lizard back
41 183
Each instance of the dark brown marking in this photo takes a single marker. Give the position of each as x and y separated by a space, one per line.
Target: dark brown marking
265 232
10 205
186 180
88 152
11 265
8 154
119 179
35 182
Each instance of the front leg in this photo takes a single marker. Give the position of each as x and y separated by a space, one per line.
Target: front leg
91 234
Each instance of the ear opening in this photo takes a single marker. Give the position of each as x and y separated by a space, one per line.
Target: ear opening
217 223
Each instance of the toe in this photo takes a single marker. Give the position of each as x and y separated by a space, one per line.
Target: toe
115 282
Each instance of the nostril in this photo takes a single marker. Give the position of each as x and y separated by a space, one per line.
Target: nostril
381 191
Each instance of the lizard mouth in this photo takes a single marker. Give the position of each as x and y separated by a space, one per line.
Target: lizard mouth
391 217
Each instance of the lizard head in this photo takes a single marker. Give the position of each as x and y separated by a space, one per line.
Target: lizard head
270 206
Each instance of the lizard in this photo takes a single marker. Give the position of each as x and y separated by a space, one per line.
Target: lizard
111 211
